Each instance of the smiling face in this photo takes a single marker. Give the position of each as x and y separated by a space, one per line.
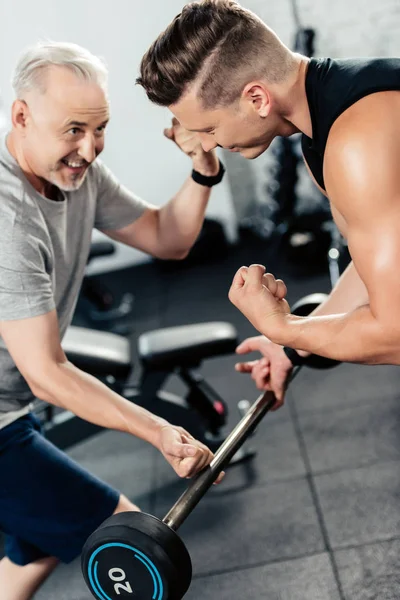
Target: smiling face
248 126
62 129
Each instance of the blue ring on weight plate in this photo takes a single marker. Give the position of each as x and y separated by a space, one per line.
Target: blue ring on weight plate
155 575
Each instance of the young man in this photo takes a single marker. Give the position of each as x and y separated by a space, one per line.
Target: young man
228 77
53 192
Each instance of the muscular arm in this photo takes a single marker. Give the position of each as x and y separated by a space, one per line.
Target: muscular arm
361 175
170 231
349 291
34 345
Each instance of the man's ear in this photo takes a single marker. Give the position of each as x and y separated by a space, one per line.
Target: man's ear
19 114
257 94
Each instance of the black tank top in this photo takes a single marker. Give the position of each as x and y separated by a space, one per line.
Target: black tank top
332 86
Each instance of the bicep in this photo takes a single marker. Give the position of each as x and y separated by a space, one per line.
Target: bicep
34 345
363 183
142 234
375 249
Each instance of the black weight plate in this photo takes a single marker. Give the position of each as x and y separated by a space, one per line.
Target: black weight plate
135 555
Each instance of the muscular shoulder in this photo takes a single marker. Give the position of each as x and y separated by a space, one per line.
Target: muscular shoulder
374 118
363 151
367 114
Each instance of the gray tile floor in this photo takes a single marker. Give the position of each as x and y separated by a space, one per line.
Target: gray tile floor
315 515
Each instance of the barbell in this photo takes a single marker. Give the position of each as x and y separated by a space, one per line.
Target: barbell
138 556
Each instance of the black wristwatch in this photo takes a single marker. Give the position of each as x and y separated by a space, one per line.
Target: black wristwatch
211 180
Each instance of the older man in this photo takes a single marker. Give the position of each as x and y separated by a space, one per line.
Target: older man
228 77
53 191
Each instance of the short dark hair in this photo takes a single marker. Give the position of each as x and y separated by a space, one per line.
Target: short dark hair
221 44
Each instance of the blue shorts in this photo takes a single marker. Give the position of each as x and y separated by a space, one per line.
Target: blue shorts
49 505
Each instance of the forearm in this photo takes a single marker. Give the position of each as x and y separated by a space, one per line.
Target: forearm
88 398
181 219
348 294
355 336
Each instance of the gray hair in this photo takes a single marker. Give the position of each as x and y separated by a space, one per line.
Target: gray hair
35 61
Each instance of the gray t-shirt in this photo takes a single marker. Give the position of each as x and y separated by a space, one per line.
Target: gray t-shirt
44 247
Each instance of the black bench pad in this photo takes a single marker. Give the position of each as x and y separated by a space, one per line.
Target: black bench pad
98 352
186 345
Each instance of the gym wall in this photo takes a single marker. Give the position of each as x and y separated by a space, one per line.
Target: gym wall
343 29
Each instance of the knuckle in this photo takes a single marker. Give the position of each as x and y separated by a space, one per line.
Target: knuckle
187 470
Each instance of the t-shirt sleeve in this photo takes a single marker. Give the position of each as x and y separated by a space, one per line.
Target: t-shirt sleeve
116 206
25 287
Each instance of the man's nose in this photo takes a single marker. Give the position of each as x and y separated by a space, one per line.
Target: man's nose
208 143
87 148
